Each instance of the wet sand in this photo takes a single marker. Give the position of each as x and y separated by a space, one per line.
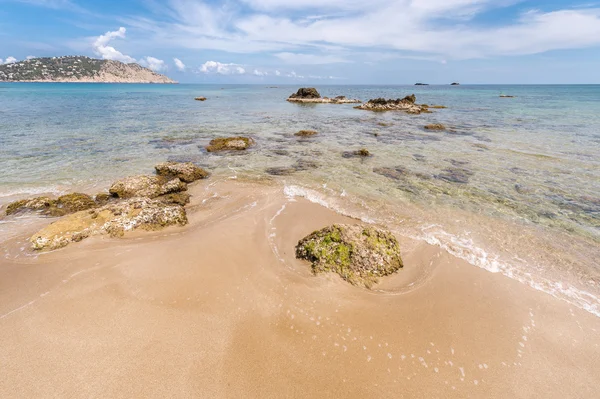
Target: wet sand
221 308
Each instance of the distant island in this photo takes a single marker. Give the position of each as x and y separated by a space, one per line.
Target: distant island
421 84
78 69
455 84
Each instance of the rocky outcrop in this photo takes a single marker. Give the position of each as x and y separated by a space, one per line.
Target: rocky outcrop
146 186
454 84
113 219
421 84
311 95
200 98
229 144
32 204
185 171
359 254
306 133
406 104
506 96
53 207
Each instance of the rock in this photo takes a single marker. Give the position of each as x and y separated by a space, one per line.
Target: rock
435 126
363 153
397 173
300 165
102 198
146 186
229 144
438 106
311 95
455 84
185 171
455 175
359 254
33 204
114 219
200 98
506 96
182 198
306 133
421 84
406 104
75 202
384 124
306 92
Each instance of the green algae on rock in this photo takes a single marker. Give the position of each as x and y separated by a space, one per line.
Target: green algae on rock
65 204
306 133
229 144
146 186
33 204
359 254
75 202
113 219
185 171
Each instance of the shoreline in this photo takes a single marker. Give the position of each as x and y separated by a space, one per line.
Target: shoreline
225 301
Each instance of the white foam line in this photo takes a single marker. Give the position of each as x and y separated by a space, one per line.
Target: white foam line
277 214
17 309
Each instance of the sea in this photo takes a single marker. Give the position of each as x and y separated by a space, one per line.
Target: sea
511 186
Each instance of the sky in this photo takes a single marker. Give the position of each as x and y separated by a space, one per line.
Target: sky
318 41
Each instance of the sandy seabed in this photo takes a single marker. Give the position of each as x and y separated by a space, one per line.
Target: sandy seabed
221 308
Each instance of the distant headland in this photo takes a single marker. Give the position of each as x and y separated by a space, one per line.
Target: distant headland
78 69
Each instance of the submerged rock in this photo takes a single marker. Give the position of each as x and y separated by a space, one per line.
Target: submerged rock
113 219
455 175
406 104
65 204
306 133
362 153
200 98
435 126
146 186
455 84
184 171
311 95
397 173
359 254
229 144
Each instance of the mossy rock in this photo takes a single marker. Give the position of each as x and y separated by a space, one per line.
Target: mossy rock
362 153
185 171
306 133
435 126
75 202
229 144
200 98
102 198
31 204
359 254
175 198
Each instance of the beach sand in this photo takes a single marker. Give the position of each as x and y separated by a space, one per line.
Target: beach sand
221 308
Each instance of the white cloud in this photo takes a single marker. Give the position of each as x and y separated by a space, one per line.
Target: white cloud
277 73
222 69
153 63
8 60
259 73
179 64
107 52
341 29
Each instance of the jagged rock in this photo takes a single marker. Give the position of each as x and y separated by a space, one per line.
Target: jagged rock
146 186
113 219
435 126
229 144
359 254
200 98
32 204
185 171
306 92
406 104
306 133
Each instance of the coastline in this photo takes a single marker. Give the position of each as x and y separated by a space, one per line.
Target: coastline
221 308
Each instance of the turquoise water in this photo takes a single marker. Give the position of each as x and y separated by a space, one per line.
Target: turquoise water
513 186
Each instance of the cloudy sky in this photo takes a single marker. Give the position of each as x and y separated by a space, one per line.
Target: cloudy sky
318 41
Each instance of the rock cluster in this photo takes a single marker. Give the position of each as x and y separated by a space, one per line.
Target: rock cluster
145 202
406 104
359 254
311 95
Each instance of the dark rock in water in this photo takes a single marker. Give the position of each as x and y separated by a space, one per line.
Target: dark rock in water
304 164
65 204
229 144
455 84
300 165
200 98
306 133
523 189
171 142
421 84
281 152
438 106
359 254
506 96
146 186
362 153
397 173
455 175
435 126
480 146
306 92
280 171
456 162
418 157
384 124
185 171
113 219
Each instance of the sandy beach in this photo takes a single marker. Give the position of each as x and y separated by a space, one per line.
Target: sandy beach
221 308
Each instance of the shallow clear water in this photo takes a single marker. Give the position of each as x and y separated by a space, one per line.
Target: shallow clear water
513 186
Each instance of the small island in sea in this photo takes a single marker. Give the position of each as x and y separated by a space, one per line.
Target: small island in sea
78 69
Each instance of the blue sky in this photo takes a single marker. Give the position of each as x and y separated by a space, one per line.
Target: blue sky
318 41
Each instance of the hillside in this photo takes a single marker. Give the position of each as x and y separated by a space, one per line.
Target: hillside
78 69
